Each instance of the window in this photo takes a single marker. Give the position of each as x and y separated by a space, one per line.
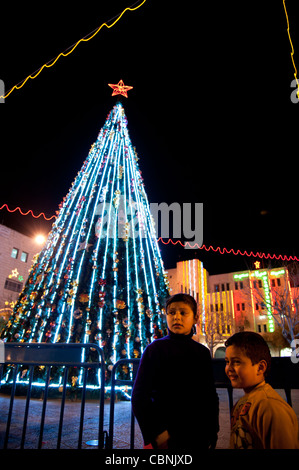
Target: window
262 328
238 308
278 282
227 286
260 283
24 256
243 307
236 286
15 286
14 253
241 284
222 287
216 287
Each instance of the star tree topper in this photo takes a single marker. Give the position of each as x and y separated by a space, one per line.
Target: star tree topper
120 89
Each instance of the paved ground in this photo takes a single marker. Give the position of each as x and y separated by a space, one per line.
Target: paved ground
71 422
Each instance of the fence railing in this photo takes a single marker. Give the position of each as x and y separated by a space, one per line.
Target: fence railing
121 383
89 357
283 375
25 358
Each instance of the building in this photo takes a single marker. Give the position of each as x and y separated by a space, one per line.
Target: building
232 302
16 256
191 277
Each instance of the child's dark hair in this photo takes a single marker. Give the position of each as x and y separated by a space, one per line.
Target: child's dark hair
253 345
188 299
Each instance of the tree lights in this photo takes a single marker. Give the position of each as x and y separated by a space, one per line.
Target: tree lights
100 276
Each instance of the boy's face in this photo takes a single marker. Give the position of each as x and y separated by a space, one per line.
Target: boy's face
240 370
180 318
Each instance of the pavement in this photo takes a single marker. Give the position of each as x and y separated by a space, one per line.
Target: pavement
71 422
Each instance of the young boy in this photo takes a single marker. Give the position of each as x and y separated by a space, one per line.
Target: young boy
174 397
261 419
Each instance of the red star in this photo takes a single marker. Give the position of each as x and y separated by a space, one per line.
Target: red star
120 89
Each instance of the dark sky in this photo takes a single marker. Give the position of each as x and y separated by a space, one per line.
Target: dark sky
210 114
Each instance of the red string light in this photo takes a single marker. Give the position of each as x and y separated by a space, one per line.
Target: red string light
219 250
227 251
28 212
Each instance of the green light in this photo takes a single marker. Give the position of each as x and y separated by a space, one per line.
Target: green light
241 276
259 274
268 300
277 273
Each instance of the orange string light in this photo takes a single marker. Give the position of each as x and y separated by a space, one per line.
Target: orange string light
292 47
86 38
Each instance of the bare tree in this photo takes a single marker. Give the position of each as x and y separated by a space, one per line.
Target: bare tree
213 331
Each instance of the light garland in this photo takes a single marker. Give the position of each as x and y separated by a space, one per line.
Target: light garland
292 47
221 251
86 38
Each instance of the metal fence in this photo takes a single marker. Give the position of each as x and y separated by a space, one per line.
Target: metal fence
89 357
221 381
121 383
283 375
22 357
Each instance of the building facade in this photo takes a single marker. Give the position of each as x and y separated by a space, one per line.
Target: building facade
191 278
232 302
16 256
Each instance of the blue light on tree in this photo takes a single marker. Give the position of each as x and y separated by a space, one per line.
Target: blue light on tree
100 276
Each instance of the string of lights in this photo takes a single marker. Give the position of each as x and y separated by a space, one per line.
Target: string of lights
292 47
219 250
228 251
42 214
71 49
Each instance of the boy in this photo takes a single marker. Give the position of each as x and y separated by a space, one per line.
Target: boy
261 419
174 397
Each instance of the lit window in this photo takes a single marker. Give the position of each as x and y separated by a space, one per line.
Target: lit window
24 256
14 253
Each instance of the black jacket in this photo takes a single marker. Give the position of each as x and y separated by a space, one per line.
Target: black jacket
174 390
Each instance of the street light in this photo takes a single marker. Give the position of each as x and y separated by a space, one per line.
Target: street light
40 239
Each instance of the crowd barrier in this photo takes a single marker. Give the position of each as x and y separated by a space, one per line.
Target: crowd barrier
88 359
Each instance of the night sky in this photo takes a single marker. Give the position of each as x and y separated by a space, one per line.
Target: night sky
210 113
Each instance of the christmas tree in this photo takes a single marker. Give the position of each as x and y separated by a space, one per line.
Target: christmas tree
100 277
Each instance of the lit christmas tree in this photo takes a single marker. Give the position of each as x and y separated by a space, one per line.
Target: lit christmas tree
100 278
